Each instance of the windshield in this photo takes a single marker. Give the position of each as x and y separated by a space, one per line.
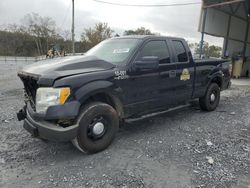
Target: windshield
115 51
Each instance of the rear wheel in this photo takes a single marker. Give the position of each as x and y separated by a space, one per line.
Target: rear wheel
211 99
98 124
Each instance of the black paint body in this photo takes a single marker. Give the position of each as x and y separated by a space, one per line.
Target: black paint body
131 92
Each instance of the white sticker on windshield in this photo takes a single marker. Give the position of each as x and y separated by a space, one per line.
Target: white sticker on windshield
123 50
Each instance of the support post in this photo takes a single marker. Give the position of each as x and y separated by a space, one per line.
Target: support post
203 30
73 27
227 36
246 40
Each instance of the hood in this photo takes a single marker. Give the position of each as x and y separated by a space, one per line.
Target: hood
53 69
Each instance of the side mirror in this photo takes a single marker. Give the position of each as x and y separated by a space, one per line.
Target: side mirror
147 63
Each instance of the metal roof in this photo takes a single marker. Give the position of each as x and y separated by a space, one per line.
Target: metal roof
230 7
224 2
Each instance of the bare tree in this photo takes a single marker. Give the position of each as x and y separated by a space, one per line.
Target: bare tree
41 28
139 31
65 34
93 36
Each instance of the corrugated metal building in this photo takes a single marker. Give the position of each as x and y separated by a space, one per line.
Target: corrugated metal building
228 19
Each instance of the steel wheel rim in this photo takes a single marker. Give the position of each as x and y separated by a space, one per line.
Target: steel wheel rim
213 97
97 128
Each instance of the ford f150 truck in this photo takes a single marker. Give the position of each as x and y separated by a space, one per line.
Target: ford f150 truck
83 99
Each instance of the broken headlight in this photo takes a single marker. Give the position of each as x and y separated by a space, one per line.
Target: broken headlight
47 96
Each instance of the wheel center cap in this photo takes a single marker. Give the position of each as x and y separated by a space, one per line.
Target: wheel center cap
98 128
212 97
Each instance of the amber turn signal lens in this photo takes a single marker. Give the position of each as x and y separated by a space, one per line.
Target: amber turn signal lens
64 94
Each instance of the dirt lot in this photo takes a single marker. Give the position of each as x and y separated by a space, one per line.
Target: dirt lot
189 148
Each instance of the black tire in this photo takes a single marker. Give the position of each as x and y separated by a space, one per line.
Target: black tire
211 99
96 113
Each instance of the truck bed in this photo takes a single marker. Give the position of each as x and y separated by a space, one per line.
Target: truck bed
211 60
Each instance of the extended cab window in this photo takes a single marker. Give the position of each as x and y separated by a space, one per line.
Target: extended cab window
180 51
158 49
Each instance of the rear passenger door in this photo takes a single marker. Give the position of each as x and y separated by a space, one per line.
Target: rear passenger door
184 70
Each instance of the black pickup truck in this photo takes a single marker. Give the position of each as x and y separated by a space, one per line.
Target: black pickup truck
84 99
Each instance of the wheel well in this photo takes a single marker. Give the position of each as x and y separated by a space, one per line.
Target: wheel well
100 97
217 80
105 98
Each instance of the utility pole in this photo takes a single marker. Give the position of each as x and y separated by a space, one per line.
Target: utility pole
73 27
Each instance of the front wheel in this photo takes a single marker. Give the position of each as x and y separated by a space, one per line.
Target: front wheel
98 124
211 99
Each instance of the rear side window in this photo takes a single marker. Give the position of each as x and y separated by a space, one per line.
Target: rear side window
158 49
180 51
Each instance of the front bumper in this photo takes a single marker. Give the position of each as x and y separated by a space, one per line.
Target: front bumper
37 125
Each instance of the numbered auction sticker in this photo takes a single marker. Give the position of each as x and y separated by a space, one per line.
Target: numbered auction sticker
119 51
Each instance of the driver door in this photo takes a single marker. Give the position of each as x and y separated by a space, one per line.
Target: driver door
146 89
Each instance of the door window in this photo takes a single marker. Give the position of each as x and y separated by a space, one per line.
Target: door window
180 51
158 49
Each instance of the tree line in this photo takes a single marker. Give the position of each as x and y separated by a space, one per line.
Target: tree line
36 35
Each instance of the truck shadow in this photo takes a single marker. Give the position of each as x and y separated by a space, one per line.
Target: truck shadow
168 120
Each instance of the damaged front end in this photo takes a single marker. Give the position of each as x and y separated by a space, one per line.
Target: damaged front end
48 124
21 115
30 88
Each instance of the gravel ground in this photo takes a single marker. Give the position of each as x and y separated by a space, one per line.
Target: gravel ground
189 148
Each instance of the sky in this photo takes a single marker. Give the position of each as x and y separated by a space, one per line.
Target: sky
181 21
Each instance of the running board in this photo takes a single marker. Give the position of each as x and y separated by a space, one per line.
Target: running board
130 120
